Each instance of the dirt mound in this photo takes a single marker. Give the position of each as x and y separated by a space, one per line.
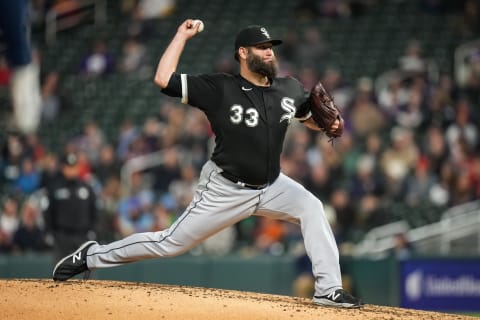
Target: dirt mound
45 299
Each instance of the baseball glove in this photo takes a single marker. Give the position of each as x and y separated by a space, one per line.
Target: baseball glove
325 112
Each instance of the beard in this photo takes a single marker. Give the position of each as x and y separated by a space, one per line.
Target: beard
257 65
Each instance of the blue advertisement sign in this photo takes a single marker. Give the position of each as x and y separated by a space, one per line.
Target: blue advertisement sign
441 284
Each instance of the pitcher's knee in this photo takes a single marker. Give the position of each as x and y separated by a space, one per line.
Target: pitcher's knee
172 248
312 205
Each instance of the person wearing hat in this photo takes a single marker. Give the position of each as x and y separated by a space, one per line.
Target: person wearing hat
71 214
249 113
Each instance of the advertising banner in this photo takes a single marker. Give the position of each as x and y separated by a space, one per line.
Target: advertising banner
441 284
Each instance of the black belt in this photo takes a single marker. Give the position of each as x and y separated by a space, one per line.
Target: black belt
234 179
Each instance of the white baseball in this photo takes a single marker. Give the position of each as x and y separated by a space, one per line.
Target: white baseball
200 23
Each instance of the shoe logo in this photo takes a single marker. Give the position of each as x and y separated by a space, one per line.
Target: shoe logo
77 256
333 296
246 89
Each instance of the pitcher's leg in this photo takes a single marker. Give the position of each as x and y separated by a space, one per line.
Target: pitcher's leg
215 206
288 200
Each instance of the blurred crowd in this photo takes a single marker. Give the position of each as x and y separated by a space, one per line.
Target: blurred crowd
410 150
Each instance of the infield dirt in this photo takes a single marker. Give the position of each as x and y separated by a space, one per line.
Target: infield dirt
44 299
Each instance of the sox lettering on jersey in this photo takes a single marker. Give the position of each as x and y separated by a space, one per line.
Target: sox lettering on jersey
288 104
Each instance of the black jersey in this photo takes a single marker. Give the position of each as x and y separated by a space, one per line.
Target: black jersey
249 122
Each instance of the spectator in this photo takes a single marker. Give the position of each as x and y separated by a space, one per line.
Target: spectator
412 63
365 181
373 151
29 237
435 149
90 142
12 153
108 165
440 193
127 134
370 213
402 249
98 61
51 100
84 167
49 170
410 114
134 60
9 222
29 178
168 171
462 128
364 115
394 95
138 147
152 134
420 184
398 160
71 215
440 111
468 70
462 191
34 147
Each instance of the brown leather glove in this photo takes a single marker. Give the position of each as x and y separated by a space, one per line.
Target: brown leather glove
325 112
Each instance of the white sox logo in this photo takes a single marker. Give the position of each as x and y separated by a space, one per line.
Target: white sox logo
265 33
288 104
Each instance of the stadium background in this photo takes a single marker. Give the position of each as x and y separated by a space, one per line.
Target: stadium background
393 67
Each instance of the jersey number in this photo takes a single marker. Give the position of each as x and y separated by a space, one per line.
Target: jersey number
250 116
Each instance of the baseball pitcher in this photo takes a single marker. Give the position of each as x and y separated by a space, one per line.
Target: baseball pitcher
249 114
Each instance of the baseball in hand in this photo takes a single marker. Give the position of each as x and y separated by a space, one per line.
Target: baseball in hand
200 23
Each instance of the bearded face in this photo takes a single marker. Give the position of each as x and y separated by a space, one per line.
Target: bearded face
256 64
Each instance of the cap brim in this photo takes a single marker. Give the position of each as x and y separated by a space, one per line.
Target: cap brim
274 42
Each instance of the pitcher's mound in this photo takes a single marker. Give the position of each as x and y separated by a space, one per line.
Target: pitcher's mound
71 300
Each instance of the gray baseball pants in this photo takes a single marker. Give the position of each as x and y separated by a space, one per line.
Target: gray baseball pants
219 203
